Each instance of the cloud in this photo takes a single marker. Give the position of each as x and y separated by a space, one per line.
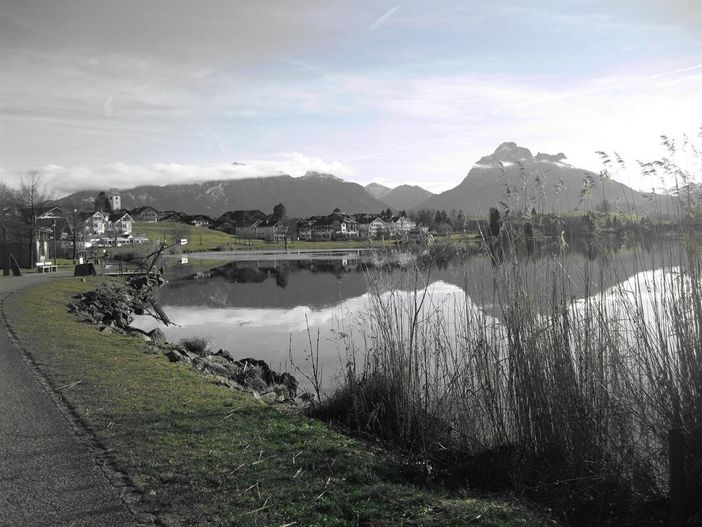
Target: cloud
76 95
67 179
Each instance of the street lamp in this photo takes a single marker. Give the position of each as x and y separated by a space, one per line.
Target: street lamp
75 222
53 228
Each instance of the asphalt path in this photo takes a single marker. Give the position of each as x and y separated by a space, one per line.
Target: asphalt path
49 475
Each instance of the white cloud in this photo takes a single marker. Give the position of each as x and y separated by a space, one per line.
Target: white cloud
428 127
68 179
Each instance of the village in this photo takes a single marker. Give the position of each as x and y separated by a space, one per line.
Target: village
116 227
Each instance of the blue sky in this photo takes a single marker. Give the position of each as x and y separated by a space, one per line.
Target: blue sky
101 94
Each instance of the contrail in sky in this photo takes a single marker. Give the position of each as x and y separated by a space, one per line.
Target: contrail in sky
382 19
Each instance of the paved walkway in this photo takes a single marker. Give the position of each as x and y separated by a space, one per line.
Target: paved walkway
48 476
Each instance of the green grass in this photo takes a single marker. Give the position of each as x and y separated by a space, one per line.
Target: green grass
206 455
199 238
305 244
204 239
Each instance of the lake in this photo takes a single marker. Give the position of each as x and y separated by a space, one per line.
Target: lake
274 307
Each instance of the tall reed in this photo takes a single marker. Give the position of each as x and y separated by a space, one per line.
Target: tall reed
568 396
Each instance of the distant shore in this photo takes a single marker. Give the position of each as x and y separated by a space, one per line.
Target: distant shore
277 254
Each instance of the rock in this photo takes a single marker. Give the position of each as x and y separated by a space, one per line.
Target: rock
173 355
287 384
216 369
157 336
139 334
263 370
225 353
269 397
220 359
112 306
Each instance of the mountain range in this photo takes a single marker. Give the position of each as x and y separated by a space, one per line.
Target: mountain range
404 197
311 194
511 175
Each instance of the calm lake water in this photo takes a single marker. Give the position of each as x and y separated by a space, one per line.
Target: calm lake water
271 308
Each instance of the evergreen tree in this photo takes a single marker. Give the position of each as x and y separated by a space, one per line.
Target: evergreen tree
102 202
279 211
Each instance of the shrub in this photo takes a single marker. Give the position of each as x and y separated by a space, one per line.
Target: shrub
198 345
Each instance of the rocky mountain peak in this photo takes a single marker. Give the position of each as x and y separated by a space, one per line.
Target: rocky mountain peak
377 190
557 158
320 175
508 152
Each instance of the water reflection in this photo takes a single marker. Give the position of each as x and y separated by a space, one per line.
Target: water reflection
264 308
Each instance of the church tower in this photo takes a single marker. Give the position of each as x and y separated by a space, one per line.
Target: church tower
115 200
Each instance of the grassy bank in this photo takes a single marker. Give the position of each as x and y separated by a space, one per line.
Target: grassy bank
204 239
205 455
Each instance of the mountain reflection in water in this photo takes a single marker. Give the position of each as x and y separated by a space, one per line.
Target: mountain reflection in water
263 308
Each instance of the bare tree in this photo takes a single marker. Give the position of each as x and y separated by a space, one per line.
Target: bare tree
34 196
8 206
8 196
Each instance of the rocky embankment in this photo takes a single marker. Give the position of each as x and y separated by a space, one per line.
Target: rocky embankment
112 306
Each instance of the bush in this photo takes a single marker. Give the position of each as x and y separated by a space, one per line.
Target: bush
197 345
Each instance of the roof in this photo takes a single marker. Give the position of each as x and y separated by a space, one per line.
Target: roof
242 218
53 212
200 217
120 214
140 210
87 215
270 221
365 219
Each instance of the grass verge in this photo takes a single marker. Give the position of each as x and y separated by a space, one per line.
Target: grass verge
204 239
205 455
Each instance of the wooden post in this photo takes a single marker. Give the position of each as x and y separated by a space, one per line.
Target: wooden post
676 469
15 267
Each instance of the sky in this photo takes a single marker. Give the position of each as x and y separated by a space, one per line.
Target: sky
98 94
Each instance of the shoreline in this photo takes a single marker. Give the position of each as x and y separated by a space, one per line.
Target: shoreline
197 449
277 254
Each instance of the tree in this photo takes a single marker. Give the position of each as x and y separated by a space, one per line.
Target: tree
8 197
8 206
441 217
604 206
423 217
34 195
279 211
102 202
460 223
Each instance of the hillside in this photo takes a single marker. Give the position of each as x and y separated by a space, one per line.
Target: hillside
514 176
406 197
377 190
310 194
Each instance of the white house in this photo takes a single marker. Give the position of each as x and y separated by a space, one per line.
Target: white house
370 226
400 225
94 223
120 223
